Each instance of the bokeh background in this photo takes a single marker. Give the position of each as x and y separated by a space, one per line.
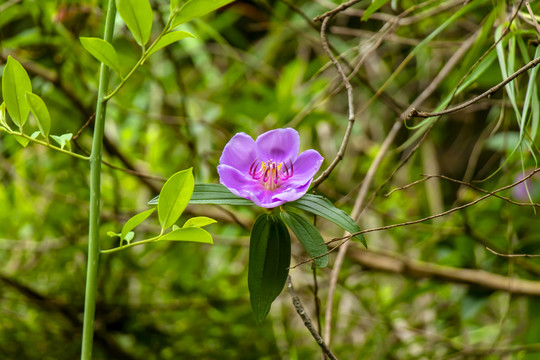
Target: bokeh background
255 66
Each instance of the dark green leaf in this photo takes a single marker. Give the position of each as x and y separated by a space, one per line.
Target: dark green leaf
134 221
170 38
196 8
103 51
192 234
40 112
137 14
322 207
174 197
215 194
15 85
269 260
309 236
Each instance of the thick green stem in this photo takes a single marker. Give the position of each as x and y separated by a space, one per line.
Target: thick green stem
95 190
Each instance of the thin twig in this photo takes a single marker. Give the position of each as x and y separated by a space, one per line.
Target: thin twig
488 93
532 17
350 100
307 321
511 255
338 9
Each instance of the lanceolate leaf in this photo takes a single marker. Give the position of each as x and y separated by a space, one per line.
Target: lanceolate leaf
15 85
196 8
309 236
174 197
375 5
137 14
322 207
103 51
170 38
215 194
134 221
192 234
199 221
269 260
40 112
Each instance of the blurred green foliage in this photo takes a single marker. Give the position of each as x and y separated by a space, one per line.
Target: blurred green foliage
254 66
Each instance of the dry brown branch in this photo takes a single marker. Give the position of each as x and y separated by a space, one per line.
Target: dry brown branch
307 321
420 269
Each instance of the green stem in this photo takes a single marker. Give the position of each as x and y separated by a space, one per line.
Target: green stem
95 189
122 247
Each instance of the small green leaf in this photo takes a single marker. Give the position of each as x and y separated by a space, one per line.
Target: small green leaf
199 221
34 135
3 119
170 38
63 140
192 234
137 14
112 234
309 236
322 207
174 197
269 260
214 194
174 5
103 51
134 221
40 112
129 236
196 8
15 85
374 6
22 140
175 227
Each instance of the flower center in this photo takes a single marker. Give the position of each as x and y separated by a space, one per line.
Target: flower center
270 173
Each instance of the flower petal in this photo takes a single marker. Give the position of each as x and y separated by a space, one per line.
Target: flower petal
266 199
238 183
279 145
306 166
292 193
239 152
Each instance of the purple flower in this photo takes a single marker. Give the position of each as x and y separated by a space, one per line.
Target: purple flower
268 171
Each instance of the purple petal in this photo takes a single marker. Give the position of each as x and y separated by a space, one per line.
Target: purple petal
279 145
292 193
238 183
239 152
266 199
306 166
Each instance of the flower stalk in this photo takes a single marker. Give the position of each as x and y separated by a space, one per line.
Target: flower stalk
95 192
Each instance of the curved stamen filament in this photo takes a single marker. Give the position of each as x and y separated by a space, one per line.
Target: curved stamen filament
270 172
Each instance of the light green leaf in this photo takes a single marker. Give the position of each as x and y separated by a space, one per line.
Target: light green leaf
174 197
103 51
374 6
63 140
196 8
215 194
3 119
34 135
15 85
129 236
269 260
40 112
112 234
22 140
309 236
174 5
134 221
137 14
199 221
192 234
170 38
322 207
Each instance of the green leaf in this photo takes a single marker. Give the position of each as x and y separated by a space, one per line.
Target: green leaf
374 6
196 8
309 236
170 38
112 234
137 14
3 119
63 140
129 236
22 140
15 85
322 207
269 260
103 51
214 194
134 221
199 221
192 234
174 5
174 197
40 112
